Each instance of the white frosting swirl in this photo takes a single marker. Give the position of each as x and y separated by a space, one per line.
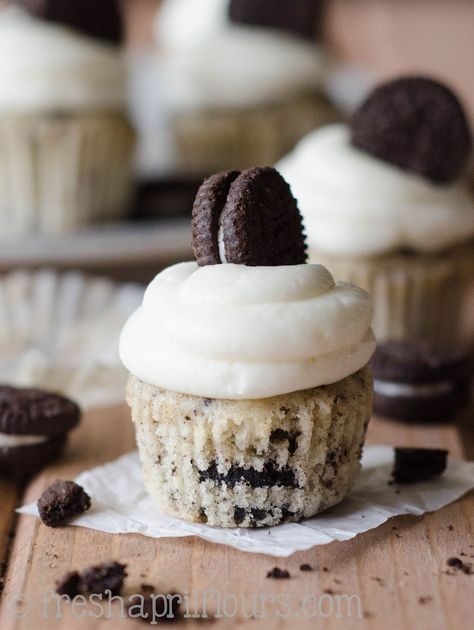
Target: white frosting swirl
206 61
356 205
237 332
46 66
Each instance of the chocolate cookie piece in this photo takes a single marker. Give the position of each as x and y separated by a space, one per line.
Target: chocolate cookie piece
62 501
420 381
418 464
208 206
27 411
416 124
300 17
100 19
248 218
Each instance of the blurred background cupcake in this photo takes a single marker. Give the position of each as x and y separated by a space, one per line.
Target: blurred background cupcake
387 204
236 83
65 140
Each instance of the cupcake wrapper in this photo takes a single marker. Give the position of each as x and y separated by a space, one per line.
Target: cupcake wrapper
212 140
415 296
62 171
250 463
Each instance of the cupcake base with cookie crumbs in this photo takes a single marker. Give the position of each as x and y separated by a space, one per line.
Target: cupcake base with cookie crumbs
249 388
251 463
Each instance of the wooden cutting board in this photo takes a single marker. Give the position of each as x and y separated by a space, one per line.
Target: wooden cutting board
398 571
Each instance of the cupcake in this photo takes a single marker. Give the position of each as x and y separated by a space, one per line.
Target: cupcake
386 205
240 82
65 141
249 385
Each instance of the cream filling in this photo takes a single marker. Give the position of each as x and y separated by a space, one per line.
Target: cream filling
10 440
418 390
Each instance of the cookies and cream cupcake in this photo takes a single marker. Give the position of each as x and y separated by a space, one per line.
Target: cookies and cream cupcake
249 385
240 83
386 205
65 140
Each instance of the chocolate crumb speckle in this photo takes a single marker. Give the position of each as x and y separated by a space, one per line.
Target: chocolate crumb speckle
458 564
278 574
424 599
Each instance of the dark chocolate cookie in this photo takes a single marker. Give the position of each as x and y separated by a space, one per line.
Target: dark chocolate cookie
301 17
100 19
416 124
420 381
248 218
62 501
33 429
28 411
19 463
418 464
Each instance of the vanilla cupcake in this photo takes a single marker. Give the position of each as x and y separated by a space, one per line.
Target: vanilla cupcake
386 205
249 388
240 83
65 140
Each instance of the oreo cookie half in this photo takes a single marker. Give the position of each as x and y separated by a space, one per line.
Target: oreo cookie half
248 218
420 381
416 124
100 19
301 17
33 429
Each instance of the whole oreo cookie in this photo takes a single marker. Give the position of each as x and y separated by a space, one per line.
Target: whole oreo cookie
248 218
100 19
416 124
420 381
301 17
33 428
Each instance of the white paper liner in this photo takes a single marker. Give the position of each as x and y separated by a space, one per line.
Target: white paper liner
59 331
120 504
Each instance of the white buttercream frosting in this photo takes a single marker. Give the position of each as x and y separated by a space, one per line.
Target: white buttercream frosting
206 61
8 440
46 66
237 332
357 205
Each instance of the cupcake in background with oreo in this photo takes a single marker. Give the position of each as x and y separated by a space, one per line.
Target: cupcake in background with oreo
65 140
249 385
386 205
240 82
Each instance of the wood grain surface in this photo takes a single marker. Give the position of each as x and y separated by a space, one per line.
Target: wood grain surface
398 571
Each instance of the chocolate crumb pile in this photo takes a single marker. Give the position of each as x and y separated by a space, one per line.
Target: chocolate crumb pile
95 580
151 608
61 502
278 574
